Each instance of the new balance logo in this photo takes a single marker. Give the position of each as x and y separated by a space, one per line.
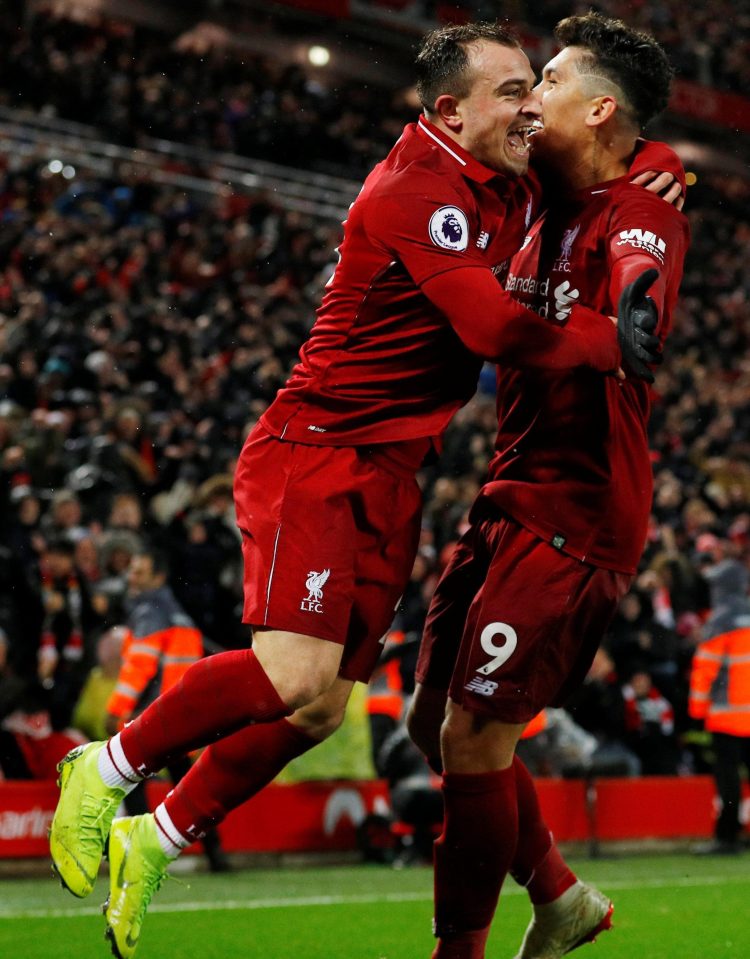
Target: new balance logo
565 299
485 687
314 584
644 240
482 240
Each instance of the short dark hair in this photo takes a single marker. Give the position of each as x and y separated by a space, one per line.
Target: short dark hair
442 61
159 560
631 59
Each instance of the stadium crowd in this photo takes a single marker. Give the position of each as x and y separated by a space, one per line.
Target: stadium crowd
707 43
118 78
143 330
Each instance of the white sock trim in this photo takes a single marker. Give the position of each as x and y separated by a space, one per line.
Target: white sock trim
114 767
171 839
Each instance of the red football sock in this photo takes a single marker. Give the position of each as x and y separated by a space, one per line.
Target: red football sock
472 857
537 863
216 697
231 771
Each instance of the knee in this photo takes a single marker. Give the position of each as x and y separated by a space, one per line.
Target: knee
300 668
319 720
299 691
475 744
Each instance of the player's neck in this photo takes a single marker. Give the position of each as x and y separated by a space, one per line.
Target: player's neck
599 162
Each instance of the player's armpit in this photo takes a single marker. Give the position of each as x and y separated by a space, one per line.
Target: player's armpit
496 327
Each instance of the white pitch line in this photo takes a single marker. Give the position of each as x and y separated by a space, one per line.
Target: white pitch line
233 905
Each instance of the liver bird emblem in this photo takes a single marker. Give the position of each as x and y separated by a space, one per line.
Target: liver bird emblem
315 583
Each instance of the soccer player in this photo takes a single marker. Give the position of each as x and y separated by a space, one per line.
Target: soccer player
558 528
325 488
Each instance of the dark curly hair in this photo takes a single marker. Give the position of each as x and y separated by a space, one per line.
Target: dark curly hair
629 58
442 61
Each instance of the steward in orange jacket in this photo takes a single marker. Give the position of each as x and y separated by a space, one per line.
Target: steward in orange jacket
720 676
161 645
720 692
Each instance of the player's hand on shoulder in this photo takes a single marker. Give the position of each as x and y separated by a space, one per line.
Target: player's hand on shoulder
637 318
665 185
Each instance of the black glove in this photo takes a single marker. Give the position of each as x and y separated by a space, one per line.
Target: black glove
636 321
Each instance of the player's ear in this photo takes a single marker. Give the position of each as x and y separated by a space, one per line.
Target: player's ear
601 109
447 110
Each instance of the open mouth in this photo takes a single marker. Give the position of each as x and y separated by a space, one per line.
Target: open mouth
519 139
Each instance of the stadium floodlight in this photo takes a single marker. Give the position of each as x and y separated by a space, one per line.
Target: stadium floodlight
68 171
319 56
55 166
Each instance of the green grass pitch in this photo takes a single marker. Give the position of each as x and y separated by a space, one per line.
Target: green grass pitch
666 907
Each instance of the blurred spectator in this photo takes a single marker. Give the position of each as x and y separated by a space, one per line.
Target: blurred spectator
598 706
649 725
23 534
12 686
554 745
90 713
29 746
116 550
638 635
21 614
415 796
66 648
64 520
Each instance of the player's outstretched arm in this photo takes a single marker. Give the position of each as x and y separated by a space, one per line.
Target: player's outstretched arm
498 328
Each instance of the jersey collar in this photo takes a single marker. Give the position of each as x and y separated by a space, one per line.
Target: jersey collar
469 166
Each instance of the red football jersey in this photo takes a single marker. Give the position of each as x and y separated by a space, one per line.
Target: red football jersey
572 461
382 362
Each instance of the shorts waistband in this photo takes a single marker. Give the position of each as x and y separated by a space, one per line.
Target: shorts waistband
403 458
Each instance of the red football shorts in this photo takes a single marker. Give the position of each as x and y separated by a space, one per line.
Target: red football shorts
514 624
329 536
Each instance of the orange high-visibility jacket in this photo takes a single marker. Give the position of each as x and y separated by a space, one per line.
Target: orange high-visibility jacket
161 645
385 691
720 676
537 725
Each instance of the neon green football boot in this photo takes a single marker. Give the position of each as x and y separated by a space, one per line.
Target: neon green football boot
82 820
137 868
